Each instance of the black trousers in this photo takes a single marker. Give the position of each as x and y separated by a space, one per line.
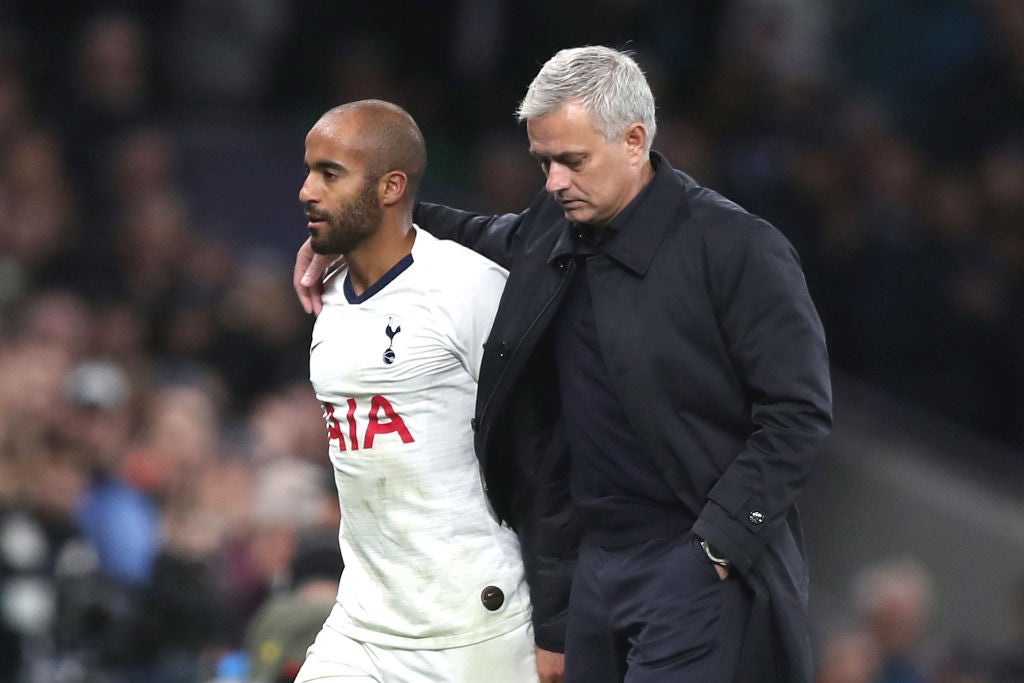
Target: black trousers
653 612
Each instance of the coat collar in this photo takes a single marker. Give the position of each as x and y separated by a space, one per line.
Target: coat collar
638 239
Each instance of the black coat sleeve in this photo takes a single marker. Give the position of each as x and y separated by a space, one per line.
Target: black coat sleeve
491 236
776 344
550 542
549 529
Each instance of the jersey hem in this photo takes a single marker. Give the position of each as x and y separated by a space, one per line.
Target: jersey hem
373 637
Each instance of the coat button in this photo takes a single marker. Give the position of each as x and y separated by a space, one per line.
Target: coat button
503 350
473 424
492 597
756 518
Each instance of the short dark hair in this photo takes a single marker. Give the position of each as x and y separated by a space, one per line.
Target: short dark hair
392 139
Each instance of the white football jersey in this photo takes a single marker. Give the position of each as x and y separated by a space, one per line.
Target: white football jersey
427 565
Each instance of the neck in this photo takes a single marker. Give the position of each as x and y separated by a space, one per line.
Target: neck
639 182
368 262
645 177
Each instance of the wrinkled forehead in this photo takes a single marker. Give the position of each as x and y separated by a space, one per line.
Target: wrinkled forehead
570 127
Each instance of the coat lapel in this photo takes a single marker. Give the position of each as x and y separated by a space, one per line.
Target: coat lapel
638 241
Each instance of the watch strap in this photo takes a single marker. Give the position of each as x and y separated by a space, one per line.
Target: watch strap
714 555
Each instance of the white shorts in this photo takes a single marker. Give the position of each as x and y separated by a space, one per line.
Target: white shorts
336 658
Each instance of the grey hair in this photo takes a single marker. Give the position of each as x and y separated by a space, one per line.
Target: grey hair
607 82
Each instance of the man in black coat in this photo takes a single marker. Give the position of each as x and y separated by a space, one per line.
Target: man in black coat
656 375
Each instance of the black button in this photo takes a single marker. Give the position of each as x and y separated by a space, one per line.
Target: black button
473 424
492 597
503 349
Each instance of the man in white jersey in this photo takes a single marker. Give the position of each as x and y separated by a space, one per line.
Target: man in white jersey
433 587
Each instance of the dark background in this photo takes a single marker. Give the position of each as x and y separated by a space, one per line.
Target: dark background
150 161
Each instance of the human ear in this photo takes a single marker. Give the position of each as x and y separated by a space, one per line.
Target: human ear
391 187
635 139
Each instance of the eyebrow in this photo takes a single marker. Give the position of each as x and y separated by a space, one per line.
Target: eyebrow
326 165
561 157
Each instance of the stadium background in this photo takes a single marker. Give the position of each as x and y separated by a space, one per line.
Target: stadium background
161 454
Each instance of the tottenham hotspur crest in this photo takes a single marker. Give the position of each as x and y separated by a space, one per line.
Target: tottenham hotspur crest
389 354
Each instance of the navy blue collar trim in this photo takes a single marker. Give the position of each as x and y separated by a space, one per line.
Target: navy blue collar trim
395 271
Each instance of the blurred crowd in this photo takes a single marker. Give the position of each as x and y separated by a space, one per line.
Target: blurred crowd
163 479
889 638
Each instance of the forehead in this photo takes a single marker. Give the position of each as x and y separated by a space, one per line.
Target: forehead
568 128
335 135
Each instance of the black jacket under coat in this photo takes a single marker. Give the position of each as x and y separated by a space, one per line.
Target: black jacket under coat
718 357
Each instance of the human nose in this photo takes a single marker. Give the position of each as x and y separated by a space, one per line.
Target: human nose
558 178
306 193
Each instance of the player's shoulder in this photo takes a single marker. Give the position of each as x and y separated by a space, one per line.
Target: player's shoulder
451 262
333 285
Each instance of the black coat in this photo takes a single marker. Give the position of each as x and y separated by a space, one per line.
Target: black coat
718 357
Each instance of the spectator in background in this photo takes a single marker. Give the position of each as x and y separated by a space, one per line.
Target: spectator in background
502 175
848 657
15 101
288 424
894 601
39 226
109 90
948 93
179 438
286 497
118 519
220 52
111 87
286 624
48 569
230 530
139 162
154 238
258 326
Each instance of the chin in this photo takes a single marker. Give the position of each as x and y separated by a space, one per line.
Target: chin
580 216
319 247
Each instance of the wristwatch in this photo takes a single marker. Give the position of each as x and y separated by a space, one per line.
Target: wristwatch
714 555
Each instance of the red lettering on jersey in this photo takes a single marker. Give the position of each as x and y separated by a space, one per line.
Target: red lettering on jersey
394 424
352 424
333 428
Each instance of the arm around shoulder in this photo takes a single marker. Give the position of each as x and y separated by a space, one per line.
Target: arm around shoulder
494 237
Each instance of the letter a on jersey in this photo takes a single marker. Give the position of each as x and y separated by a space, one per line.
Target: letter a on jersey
394 423
389 422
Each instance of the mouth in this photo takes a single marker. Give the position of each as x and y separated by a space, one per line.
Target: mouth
315 221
